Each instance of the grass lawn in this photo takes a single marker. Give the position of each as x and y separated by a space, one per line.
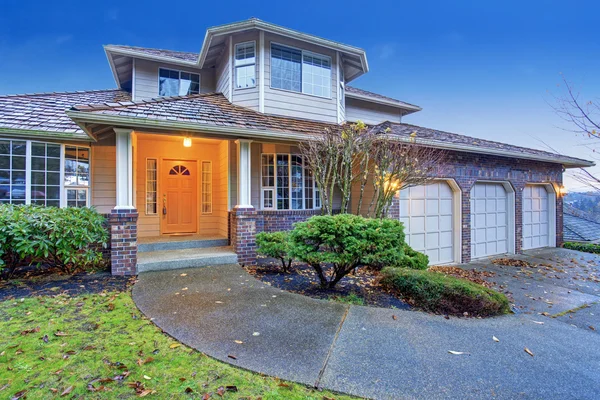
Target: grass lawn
100 346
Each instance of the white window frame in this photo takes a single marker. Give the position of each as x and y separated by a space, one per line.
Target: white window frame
273 189
243 63
179 71
302 52
146 186
202 183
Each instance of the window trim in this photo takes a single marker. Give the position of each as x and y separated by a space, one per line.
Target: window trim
302 52
202 187
274 188
146 187
179 71
235 67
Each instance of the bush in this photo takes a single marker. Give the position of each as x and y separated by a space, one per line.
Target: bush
585 247
344 242
69 238
276 245
413 259
439 293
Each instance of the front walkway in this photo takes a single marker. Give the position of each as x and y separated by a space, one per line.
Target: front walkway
371 352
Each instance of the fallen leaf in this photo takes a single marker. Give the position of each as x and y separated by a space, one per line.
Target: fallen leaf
457 353
59 333
232 357
206 396
256 334
66 391
231 388
538 322
147 377
495 339
221 391
183 275
32 330
528 352
111 306
394 317
45 338
238 341
19 395
189 390
174 345
592 328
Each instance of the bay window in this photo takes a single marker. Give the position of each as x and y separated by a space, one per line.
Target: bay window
300 71
287 183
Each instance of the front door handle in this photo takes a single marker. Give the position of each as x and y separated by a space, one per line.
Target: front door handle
164 204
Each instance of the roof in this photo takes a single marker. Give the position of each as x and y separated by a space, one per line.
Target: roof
362 94
580 229
155 53
43 114
214 112
457 142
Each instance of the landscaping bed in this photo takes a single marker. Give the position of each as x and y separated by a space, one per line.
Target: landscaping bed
361 288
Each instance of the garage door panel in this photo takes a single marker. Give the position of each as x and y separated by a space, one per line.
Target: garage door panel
427 214
489 221
536 217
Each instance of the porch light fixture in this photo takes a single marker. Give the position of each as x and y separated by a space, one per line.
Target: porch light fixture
562 191
187 141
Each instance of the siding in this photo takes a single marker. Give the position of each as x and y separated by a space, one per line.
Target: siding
222 73
370 113
299 105
221 189
104 187
247 97
146 78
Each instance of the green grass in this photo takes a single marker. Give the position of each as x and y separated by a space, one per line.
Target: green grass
100 336
351 298
585 247
439 293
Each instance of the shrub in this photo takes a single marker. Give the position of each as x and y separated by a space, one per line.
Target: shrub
276 245
439 293
585 247
413 259
68 238
343 242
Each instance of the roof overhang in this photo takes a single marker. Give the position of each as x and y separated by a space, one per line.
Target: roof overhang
405 106
254 23
41 134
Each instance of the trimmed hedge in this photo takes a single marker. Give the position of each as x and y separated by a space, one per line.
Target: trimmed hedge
443 294
413 259
276 245
68 238
585 247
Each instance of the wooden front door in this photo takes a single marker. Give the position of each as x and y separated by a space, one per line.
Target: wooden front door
179 192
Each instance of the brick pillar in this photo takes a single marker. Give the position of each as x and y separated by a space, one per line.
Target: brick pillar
519 188
123 242
243 234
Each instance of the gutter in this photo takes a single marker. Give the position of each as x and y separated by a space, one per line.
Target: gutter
19 133
402 105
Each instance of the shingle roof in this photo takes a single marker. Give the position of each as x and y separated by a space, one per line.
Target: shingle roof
451 140
211 109
353 90
177 55
580 229
45 112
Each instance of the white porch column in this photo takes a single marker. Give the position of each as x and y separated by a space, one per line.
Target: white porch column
124 171
244 186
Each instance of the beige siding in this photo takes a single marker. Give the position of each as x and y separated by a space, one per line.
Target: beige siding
222 73
232 174
221 188
163 147
146 78
247 97
367 197
370 113
299 105
103 181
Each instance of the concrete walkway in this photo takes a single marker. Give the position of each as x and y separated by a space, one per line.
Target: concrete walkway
366 351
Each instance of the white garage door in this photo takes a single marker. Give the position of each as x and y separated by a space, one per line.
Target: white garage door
426 212
535 217
489 220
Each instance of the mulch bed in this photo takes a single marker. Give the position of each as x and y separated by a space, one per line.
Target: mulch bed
50 282
303 280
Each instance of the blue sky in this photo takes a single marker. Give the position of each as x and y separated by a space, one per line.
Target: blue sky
481 68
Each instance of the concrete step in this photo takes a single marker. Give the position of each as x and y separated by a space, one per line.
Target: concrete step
185 258
146 245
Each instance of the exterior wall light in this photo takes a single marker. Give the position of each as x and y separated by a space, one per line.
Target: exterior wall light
562 191
187 142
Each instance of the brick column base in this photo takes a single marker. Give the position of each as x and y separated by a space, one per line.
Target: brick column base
243 234
123 242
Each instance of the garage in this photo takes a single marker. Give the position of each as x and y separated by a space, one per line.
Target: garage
427 213
536 217
492 224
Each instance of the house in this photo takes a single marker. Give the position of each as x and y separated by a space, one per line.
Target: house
580 226
194 152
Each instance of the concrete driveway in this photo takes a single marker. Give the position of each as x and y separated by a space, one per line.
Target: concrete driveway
392 354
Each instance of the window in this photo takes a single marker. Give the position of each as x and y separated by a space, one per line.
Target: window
77 175
287 183
300 71
45 174
245 65
177 83
206 187
12 171
151 187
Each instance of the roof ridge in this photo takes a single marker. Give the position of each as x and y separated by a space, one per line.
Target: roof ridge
152 48
64 92
128 103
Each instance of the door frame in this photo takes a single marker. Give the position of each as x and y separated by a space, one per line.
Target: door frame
552 195
159 195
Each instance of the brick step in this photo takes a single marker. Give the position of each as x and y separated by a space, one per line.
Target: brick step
146 245
185 258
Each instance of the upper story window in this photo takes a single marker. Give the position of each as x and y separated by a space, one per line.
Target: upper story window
300 71
245 65
177 83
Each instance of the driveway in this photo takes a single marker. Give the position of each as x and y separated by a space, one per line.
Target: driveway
391 354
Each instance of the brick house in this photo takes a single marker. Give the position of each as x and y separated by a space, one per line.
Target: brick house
194 153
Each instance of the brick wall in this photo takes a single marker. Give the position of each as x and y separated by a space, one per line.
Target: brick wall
123 242
281 220
242 234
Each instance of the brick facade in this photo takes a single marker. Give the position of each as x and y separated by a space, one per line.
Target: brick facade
281 220
123 242
242 234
